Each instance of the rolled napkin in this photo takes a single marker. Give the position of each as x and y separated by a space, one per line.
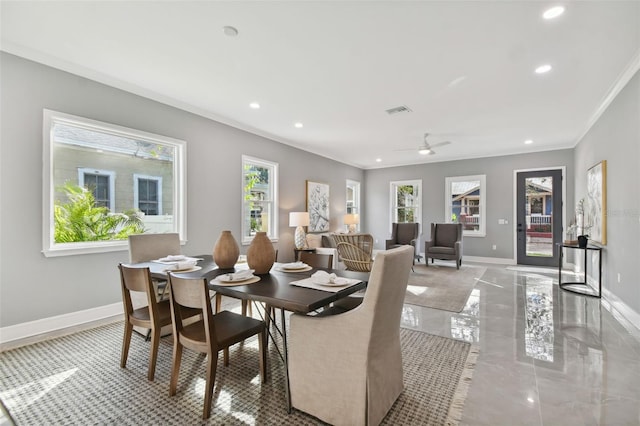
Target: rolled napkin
294 265
173 258
179 266
322 277
239 276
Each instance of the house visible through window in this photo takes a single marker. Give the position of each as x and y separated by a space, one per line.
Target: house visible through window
260 198
148 194
353 200
99 182
464 203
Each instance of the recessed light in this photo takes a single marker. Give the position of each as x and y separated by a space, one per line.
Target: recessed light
554 12
424 151
528 142
543 69
298 125
378 160
254 105
230 31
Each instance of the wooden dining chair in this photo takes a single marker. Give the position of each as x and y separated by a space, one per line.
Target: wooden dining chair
155 315
315 260
209 335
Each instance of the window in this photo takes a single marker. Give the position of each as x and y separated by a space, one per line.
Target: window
465 203
260 198
353 199
103 182
406 199
147 193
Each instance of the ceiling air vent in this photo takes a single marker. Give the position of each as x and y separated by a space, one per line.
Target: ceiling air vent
398 109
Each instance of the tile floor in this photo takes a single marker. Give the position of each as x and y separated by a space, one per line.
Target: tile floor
547 356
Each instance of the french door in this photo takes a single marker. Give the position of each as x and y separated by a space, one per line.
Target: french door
538 217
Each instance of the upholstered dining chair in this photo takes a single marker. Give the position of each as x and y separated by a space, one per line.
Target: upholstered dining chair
153 316
404 234
445 243
209 335
355 251
148 247
346 369
315 260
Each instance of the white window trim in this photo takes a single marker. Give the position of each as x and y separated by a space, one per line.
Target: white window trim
136 193
273 185
52 249
482 232
392 195
356 190
112 185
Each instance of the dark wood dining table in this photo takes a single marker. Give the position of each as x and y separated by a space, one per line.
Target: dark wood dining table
274 290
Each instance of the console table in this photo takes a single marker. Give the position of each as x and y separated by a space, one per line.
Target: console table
568 286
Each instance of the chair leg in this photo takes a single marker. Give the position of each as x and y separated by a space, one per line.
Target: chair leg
218 302
126 341
212 364
246 307
225 356
263 355
175 367
155 343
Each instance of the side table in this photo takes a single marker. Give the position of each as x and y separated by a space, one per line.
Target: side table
297 251
587 290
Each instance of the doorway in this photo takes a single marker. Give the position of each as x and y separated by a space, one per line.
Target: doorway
538 216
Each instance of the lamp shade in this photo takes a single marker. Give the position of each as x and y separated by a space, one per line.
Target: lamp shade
351 219
298 219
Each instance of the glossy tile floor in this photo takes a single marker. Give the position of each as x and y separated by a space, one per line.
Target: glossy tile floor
547 356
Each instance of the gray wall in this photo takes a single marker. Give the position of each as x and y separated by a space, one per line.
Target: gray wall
499 196
616 138
34 287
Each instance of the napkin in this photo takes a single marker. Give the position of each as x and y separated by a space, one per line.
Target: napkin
173 258
240 275
294 265
322 277
179 266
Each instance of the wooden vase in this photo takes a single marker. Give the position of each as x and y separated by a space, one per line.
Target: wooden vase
261 255
226 251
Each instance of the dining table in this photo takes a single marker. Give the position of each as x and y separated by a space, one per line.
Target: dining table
273 291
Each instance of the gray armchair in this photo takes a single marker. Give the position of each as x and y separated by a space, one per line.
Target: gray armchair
404 234
445 243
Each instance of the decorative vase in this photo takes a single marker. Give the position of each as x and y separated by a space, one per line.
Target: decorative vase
226 251
261 255
582 241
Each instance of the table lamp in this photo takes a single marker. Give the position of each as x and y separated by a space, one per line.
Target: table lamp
299 219
351 220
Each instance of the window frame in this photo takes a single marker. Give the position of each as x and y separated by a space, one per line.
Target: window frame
136 190
394 199
448 206
273 189
50 118
355 185
82 171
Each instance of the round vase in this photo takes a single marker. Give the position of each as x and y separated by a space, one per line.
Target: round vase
582 241
226 251
261 255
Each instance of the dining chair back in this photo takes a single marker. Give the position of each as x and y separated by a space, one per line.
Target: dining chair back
147 247
355 251
209 335
153 316
346 369
315 260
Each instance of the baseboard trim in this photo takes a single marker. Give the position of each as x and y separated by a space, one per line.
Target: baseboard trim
625 315
496 260
29 329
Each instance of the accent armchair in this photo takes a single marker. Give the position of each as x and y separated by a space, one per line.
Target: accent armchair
445 243
404 234
346 369
355 250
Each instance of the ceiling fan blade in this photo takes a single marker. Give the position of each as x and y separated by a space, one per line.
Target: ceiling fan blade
440 144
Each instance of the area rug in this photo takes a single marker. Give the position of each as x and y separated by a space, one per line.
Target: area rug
442 286
77 380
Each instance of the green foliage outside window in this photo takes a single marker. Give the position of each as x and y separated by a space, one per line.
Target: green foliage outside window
80 219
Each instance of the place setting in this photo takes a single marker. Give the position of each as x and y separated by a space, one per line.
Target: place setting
179 263
322 280
236 278
293 267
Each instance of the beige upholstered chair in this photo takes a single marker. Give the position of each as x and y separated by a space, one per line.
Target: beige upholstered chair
404 234
147 247
346 369
355 251
445 243
210 335
153 316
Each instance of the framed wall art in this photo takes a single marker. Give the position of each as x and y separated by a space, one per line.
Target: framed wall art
318 206
596 214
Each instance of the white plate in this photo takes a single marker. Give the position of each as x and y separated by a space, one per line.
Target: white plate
294 268
191 269
226 280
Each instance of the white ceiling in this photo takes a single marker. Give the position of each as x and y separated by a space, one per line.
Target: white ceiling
464 68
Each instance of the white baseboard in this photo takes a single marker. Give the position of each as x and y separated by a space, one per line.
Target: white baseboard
626 316
497 260
47 325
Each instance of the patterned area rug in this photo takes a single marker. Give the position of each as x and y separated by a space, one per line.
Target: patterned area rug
77 379
442 286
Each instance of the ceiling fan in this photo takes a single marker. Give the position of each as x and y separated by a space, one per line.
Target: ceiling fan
426 148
